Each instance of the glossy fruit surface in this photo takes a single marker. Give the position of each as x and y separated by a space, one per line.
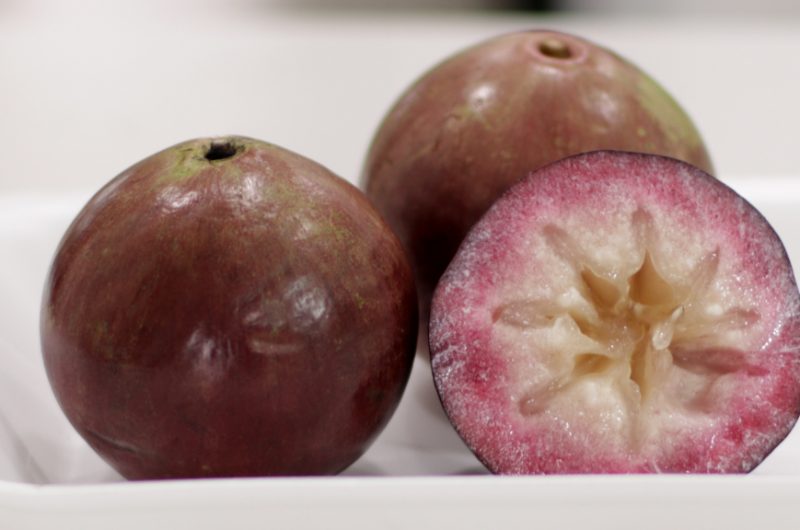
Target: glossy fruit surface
482 119
226 307
614 313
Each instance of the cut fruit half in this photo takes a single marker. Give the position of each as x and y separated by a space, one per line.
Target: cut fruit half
618 312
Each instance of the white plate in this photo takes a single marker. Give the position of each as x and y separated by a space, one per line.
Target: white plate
418 474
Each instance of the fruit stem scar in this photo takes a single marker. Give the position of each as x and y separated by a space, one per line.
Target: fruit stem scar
221 149
555 48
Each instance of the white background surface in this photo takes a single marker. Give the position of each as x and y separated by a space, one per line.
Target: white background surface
88 88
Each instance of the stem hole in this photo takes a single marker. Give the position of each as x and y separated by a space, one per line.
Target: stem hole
220 150
555 48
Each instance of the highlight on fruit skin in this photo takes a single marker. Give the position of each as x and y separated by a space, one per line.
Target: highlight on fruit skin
618 312
476 123
226 307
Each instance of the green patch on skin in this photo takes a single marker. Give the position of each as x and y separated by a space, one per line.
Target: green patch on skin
304 217
100 337
233 171
101 329
360 302
467 113
330 228
663 109
189 160
505 154
283 193
335 232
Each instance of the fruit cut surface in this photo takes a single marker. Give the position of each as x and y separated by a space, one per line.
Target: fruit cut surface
619 312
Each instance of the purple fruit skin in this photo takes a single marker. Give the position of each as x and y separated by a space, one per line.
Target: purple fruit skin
250 315
481 120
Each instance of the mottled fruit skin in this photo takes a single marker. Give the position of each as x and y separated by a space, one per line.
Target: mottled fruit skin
482 119
226 307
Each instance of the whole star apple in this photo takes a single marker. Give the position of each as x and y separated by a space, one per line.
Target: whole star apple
226 307
479 121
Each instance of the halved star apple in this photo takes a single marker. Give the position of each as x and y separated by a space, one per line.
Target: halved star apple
619 312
